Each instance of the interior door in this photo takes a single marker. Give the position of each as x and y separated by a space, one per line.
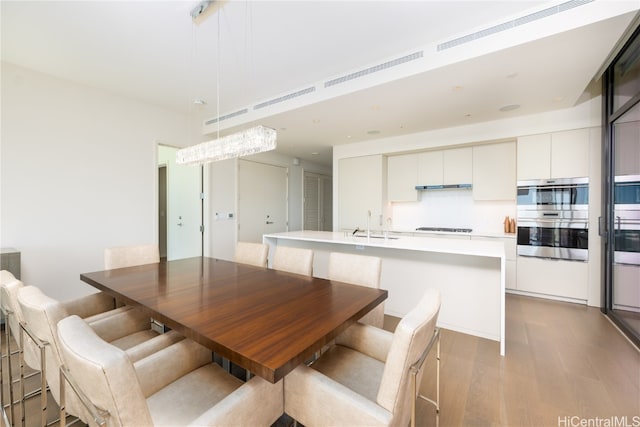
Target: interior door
262 200
317 205
311 209
183 206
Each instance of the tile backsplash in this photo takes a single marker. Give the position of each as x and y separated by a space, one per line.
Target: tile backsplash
451 208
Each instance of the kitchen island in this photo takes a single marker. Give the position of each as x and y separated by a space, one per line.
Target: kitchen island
469 274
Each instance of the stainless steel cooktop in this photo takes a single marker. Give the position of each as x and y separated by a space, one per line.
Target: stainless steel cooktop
445 229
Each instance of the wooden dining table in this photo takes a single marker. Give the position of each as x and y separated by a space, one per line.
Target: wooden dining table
263 320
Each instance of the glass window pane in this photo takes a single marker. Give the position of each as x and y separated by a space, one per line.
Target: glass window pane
626 76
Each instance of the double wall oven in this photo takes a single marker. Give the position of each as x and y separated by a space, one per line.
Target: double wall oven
627 220
553 218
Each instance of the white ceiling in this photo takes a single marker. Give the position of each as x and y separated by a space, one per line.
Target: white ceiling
153 51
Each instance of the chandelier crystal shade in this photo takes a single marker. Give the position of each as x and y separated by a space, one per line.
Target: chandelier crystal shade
251 141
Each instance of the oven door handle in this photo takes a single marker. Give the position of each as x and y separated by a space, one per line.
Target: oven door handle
550 214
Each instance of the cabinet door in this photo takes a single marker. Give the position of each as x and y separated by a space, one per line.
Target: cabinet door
430 167
534 157
360 189
494 174
458 166
570 154
553 277
402 177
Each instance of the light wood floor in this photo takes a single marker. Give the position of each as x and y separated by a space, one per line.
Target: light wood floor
562 361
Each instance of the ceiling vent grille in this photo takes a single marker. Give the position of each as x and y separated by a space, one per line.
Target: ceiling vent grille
226 116
285 97
512 24
374 69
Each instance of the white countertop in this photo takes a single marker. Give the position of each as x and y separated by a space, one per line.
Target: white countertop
424 244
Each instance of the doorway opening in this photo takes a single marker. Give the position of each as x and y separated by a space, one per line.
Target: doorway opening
180 207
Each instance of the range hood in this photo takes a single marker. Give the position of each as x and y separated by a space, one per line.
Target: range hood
444 187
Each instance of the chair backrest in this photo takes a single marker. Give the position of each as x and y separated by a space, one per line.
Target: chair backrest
8 293
359 270
410 340
294 260
6 277
41 315
9 298
129 256
103 373
252 253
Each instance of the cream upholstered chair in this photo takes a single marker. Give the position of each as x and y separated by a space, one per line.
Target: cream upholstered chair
293 260
252 253
369 377
27 348
129 256
193 392
359 270
125 327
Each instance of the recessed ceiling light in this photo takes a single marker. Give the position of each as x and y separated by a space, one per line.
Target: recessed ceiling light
457 88
509 107
283 129
314 153
512 75
315 121
468 115
558 99
199 101
373 132
375 107
348 136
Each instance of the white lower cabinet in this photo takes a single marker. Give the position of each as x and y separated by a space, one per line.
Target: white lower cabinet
565 279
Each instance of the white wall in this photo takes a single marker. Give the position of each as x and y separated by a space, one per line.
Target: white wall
78 174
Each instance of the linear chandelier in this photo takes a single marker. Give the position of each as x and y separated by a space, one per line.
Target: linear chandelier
251 141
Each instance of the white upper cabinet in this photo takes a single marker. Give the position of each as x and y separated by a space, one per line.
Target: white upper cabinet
534 157
570 154
445 167
458 166
430 168
402 178
554 155
362 188
494 172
